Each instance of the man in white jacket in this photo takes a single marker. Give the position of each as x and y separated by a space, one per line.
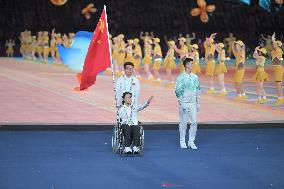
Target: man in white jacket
188 93
127 83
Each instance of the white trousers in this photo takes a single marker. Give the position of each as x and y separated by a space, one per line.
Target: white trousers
187 114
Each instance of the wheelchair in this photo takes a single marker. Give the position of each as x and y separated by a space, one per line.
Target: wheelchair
117 140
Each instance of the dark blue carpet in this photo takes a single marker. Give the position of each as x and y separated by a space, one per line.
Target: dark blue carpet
238 158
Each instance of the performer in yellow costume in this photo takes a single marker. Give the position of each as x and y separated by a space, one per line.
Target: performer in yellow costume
239 52
268 44
10 50
182 51
129 51
115 55
121 52
157 58
58 42
278 70
147 36
169 62
25 44
45 43
40 45
229 43
260 76
71 38
34 47
65 41
21 38
137 58
29 45
189 40
220 68
148 58
108 71
210 62
53 47
195 56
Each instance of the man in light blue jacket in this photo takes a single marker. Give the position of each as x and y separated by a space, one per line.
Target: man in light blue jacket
188 93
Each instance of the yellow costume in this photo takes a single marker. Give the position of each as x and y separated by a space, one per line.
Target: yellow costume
278 69
240 70
220 66
129 53
209 58
183 52
52 45
45 42
115 51
137 54
268 45
148 54
121 53
34 47
10 50
195 55
29 44
40 44
260 74
169 60
58 42
230 41
157 56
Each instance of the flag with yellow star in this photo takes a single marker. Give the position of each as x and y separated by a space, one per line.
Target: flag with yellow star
98 55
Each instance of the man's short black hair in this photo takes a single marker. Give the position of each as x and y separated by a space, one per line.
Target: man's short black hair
187 60
124 94
128 63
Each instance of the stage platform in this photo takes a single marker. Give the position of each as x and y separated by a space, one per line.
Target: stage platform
225 158
36 94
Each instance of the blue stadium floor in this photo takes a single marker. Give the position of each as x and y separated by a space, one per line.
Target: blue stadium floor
232 158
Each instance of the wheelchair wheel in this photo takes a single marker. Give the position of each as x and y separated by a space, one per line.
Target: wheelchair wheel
120 142
115 139
141 140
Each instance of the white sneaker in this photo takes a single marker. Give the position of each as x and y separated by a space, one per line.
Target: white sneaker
192 145
136 149
127 150
183 145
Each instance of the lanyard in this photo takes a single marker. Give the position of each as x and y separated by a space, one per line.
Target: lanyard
129 118
130 88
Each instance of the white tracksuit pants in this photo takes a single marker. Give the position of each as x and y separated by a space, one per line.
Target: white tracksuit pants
187 114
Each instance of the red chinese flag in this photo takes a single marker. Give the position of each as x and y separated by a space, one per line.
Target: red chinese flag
98 56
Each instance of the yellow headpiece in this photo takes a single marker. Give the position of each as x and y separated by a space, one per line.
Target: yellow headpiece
136 40
221 45
263 50
279 43
130 41
172 43
195 46
182 39
157 40
240 43
149 41
120 36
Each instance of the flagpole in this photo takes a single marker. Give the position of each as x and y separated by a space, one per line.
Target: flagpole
112 69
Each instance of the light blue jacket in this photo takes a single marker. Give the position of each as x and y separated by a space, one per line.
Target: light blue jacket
188 88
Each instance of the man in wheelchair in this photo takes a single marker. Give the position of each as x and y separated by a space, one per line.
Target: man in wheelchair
129 122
